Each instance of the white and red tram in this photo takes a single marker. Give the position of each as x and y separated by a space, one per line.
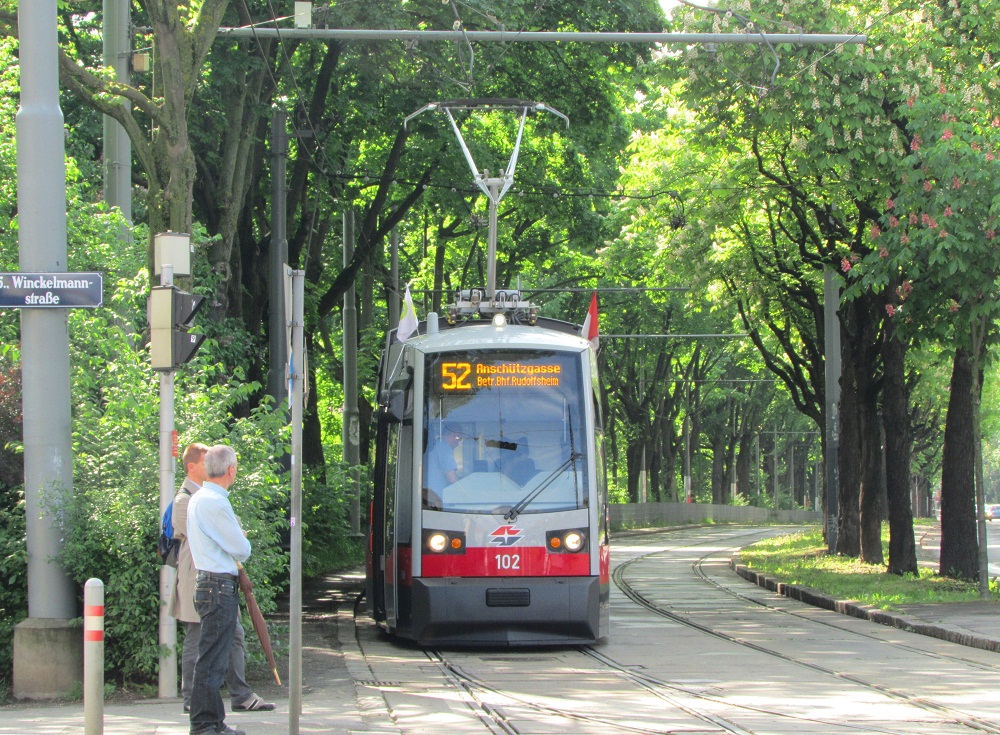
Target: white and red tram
489 518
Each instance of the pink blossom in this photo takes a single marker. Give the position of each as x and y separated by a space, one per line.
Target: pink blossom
928 186
947 211
875 231
855 257
996 122
883 253
975 145
890 204
956 183
989 156
904 238
904 290
890 310
942 89
915 143
910 101
990 234
944 233
913 218
845 265
953 306
947 134
925 219
933 223
893 221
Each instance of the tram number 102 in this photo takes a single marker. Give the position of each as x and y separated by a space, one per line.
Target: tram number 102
508 562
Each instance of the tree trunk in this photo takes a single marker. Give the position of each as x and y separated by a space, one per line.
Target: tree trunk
959 550
744 457
898 447
718 471
871 485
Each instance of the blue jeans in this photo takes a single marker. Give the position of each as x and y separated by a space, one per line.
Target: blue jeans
236 682
216 600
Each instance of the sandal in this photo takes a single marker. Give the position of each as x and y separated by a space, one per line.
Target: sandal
254 704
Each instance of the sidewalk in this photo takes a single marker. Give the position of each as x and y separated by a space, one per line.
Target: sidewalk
975 624
334 698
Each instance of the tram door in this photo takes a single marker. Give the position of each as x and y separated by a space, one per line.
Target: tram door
389 558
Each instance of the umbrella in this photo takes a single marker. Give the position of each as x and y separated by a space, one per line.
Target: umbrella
259 624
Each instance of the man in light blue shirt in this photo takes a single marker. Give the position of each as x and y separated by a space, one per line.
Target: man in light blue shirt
217 545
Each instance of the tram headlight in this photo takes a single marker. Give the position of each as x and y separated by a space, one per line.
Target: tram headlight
570 541
444 542
573 541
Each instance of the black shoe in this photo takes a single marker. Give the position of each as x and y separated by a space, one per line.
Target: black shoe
254 704
187 708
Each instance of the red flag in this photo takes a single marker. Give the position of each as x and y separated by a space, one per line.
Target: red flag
589 330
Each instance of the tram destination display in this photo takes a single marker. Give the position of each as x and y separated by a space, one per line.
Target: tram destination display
469 373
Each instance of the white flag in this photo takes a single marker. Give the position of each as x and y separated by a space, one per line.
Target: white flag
408 319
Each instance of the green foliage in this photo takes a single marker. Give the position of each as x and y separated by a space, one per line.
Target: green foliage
802 559
13 584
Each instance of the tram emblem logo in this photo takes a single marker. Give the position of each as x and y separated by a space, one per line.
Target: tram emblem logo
506 536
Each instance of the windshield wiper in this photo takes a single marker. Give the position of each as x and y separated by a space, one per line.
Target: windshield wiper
524 502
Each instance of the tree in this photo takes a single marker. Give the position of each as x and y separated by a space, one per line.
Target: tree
184 34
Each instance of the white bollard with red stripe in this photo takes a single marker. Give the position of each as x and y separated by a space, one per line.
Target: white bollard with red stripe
93 657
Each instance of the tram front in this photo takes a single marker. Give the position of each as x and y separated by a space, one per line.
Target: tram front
507 510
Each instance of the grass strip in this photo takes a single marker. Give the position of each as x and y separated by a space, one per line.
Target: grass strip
802 559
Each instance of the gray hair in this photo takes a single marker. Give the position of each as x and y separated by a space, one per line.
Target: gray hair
218 460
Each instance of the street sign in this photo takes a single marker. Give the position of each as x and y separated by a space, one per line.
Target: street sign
51 290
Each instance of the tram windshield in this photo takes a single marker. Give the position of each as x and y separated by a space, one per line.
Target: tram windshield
504 432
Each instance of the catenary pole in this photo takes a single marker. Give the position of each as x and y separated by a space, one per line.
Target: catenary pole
41 204
351 429
117 147
831 349
45 381
278 257
297 378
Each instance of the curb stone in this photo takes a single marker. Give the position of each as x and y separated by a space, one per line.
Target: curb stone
816 598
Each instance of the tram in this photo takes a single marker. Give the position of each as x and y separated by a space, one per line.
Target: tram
489 516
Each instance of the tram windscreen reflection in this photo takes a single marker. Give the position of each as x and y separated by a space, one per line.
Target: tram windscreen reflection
499 425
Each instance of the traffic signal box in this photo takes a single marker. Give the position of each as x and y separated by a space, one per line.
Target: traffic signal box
170 315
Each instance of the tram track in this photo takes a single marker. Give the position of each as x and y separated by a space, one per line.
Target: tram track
494 687
958 717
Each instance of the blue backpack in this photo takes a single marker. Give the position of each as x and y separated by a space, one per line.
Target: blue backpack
168 546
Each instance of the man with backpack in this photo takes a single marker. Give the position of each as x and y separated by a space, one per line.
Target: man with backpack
181 605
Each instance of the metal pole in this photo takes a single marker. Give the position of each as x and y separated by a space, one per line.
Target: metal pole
93 657
117 147
168 625
774 470
493 185
45 386
462 36
831 346
295 582
278 256
351 429
394 278
687 446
